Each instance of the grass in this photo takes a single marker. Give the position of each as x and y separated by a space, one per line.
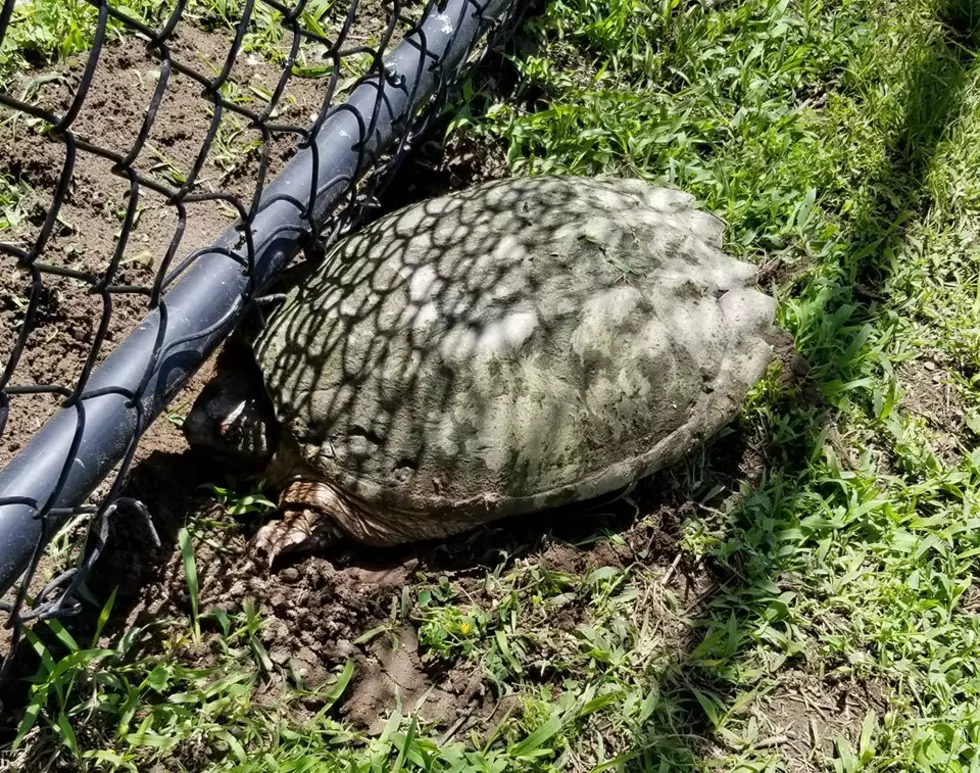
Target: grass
44 32
840 143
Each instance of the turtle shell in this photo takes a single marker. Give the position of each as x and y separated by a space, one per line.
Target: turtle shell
515 346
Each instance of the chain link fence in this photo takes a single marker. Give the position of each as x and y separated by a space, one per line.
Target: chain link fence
236 134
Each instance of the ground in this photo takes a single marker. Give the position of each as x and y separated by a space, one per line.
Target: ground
797 595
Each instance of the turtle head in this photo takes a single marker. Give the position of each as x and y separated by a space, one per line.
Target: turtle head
233 417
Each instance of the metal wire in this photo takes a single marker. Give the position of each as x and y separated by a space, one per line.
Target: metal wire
343 160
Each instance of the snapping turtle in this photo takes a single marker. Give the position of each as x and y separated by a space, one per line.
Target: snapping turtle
519 345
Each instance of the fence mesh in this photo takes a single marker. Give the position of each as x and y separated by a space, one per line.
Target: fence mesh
158 130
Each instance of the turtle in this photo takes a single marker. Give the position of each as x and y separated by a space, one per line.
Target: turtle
501 350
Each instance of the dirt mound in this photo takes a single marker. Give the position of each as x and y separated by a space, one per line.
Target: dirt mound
391 673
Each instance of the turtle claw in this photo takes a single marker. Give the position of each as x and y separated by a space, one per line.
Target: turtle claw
300 530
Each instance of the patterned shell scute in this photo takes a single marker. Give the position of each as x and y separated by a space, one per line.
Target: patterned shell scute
516 345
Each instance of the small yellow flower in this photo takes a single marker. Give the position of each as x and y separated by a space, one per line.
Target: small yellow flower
464 628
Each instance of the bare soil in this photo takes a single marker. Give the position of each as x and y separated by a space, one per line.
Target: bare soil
929 391
803 718
90 218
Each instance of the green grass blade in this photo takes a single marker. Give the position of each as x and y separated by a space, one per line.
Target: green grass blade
190 572
103 617
31 714
538 738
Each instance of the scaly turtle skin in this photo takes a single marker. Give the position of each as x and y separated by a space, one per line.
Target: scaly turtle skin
497 351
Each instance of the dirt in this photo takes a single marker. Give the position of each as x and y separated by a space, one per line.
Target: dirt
929 391
391 673
802 718
89 220
969 602
434 170
316 606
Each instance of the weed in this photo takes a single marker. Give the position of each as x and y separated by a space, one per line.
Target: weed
13 197
44 31
237 503
167 166
190 572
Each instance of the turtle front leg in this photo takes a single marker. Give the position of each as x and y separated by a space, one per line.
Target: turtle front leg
315 513
307 522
